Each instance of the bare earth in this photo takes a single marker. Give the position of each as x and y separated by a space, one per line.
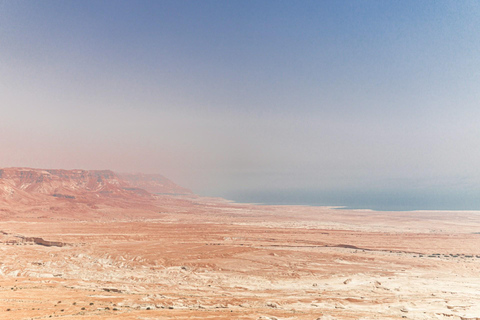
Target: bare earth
200 258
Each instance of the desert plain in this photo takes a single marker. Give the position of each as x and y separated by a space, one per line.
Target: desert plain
88 245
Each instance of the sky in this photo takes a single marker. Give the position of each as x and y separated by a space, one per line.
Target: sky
245 99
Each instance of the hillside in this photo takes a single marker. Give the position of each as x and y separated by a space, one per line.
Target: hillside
80 193
154 183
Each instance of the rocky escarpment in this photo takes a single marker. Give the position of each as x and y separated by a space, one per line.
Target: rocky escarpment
25 184
61 182
80 194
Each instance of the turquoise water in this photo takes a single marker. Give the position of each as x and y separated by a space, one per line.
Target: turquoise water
401 200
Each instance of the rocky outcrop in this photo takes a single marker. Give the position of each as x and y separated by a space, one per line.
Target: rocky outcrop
13 239
44 242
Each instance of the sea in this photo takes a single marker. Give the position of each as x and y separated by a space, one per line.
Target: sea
378 200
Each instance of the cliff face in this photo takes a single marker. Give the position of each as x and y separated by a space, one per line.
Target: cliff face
66 184
26 185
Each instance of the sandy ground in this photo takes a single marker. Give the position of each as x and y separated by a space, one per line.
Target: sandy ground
210 259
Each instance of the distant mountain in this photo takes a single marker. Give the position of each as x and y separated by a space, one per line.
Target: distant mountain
154 183
78 191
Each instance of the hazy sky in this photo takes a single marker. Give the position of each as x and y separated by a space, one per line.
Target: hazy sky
228 97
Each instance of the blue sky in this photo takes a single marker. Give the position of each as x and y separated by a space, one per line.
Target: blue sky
232 97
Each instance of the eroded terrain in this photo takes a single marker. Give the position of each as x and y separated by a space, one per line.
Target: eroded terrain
209 259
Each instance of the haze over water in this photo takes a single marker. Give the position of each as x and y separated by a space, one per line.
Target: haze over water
402 200
369 104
